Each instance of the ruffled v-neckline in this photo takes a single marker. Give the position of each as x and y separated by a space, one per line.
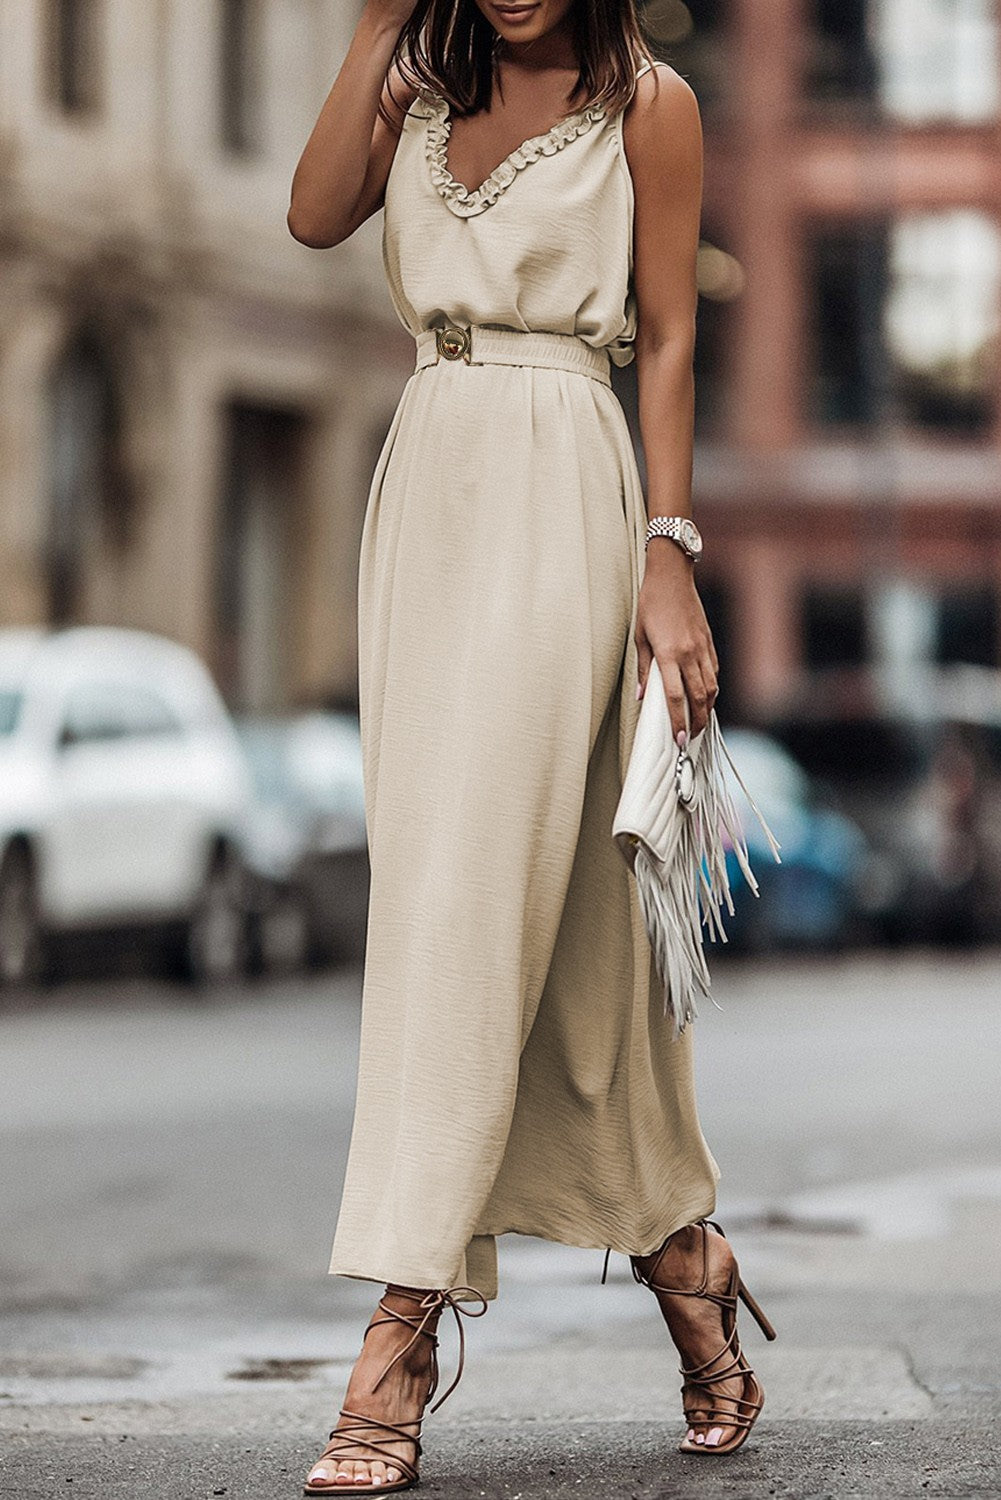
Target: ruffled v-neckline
465 201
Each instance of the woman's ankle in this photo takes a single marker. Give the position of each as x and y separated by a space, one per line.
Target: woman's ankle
681 1242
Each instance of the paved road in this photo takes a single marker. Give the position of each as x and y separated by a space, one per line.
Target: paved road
171 1172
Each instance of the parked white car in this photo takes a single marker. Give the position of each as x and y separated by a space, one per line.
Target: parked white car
305 846
122 790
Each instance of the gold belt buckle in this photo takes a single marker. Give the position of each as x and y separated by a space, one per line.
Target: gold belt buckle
453 342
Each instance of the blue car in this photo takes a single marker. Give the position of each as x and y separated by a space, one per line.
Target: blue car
824 892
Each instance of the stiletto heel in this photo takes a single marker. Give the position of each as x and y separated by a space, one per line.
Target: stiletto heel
700 1401
755 1311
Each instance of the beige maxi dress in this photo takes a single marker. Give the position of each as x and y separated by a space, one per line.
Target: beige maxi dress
517 1071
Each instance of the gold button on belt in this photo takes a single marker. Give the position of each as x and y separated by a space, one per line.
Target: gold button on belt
453 342
478 344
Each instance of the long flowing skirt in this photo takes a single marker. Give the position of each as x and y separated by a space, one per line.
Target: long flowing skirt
517 1071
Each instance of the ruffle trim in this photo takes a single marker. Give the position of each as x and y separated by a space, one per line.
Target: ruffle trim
460 199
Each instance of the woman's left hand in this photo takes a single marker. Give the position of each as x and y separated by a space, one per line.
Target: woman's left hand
671 625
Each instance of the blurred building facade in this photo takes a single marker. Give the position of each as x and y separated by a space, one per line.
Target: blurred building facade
190 402
848 469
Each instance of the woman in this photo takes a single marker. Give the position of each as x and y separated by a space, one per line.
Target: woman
517 1072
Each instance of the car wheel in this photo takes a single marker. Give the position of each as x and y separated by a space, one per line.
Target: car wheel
215 940
20 928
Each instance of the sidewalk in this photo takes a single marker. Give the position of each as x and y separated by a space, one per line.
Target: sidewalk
167 1329
874 1388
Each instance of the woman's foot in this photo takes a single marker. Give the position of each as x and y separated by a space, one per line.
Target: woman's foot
398 1398
698 1327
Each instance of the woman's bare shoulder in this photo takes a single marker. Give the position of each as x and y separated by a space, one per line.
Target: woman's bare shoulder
661 122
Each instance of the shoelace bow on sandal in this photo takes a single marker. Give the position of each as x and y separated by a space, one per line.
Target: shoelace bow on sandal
364 1432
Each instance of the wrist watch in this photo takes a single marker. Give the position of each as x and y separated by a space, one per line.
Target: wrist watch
679 529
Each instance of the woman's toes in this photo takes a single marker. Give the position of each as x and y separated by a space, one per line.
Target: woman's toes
352 1473
393 1476
377 1471
713 1437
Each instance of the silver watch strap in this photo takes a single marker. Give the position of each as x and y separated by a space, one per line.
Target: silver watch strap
669 526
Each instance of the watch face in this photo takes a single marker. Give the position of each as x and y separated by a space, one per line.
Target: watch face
691 538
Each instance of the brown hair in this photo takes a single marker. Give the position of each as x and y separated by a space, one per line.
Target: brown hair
450 47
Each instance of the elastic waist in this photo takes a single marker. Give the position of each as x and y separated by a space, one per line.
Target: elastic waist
473 344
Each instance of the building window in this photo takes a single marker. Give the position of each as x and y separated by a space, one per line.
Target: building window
906 323
941 318
72 51
239 80
259 542
90 505
690 37
712 328
938 59
915 60
968 627
849 277
841 63
833 627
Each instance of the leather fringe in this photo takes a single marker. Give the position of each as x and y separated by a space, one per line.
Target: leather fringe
689 891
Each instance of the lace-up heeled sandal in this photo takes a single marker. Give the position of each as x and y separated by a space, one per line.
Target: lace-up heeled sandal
371 1435
701 1402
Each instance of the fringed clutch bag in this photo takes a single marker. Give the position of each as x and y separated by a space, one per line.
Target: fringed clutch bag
674 814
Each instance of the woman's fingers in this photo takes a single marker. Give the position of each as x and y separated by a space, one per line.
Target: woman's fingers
698 697
710 676
674 692
687 680
693 678
644 657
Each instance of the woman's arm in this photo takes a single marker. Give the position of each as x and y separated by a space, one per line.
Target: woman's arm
341 176
663 138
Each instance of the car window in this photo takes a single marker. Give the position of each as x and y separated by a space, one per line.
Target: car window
115 711
10 710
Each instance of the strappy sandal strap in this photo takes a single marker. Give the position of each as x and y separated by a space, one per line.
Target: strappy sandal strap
706 1382
702 1408
351 1435
429 1308
736 1364
709 1402
703 1403
722 1299
716 1418
358 1431
710 1372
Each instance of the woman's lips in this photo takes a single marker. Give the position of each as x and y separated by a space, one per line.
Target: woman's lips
515 12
